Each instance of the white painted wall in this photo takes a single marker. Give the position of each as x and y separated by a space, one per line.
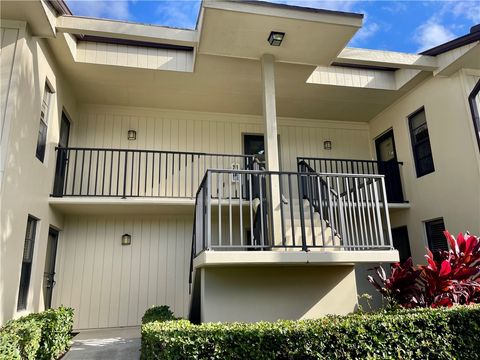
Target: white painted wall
453 190
134 56
27 182
112 285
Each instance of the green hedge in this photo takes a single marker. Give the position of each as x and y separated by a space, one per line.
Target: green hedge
44 335
404 334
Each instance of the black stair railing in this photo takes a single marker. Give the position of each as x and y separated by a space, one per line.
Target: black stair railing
390 169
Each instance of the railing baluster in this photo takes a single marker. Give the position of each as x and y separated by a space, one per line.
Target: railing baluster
290 198
111 173
251 207
96 174
220 211
240 199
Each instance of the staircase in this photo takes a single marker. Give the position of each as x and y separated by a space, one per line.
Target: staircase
319 235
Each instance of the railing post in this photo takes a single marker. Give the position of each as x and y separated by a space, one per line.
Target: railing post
125 177
209 210
302 214
387 214
60 168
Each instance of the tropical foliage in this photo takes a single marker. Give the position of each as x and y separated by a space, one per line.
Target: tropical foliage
451 277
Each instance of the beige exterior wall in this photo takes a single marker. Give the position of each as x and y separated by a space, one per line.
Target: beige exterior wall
27 182
253 293
107 126
452 191
112 285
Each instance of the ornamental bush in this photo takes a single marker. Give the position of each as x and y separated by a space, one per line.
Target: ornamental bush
44 335
446 333
449 278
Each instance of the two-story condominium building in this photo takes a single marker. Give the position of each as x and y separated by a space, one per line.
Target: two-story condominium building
250 169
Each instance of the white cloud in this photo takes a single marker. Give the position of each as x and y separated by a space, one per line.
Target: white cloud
432 34
467 9
117 9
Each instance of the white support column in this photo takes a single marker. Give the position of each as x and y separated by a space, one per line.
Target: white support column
270 113
271 143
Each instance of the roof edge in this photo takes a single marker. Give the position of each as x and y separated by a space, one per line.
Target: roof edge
469 38
300 8
60 7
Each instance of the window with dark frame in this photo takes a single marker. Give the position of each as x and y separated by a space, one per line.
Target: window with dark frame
27 263
422 151
42 131
474 101
435 237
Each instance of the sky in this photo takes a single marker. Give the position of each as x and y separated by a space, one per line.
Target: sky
406 26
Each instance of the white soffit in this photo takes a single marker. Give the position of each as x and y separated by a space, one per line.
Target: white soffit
35 13
241 30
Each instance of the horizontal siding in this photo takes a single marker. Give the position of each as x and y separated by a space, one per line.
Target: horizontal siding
134 56
112 285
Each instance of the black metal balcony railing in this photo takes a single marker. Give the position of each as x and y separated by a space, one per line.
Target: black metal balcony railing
390 169
136 173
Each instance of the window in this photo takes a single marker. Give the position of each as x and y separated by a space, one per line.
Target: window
42 131
27 263
474 101
422 151
435 237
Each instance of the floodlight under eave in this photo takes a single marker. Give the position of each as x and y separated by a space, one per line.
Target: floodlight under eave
276 38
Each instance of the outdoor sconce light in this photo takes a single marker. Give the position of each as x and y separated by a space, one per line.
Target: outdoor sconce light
126 239
275 38
132 135
327 145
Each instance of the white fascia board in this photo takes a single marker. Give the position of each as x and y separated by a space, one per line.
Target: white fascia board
387 59
126 30
315 15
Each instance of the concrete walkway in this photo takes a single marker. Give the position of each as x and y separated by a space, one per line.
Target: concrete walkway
115 343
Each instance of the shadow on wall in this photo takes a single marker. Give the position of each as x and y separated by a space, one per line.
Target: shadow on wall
272 293
364 287
18 177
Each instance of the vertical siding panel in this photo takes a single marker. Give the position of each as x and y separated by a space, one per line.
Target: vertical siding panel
116 278
79 267
154 263
162 268
144 273
125 278
107 274
170 264
87 289
98 260
134 288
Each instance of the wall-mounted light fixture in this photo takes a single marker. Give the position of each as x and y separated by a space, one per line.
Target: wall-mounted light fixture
327 145
276 38
126 239
132 135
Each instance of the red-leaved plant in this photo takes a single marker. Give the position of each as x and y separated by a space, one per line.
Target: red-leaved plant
451 278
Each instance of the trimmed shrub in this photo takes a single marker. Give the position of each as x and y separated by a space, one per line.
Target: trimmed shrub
44 335
446 333
158 313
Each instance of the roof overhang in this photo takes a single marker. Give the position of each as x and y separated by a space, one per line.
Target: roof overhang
241 29
39 16
127 31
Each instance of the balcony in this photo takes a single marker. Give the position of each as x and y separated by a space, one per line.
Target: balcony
318 213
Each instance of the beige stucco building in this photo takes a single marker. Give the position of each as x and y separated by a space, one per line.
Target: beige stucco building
236 171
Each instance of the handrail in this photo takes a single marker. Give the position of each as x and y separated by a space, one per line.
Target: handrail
300 158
